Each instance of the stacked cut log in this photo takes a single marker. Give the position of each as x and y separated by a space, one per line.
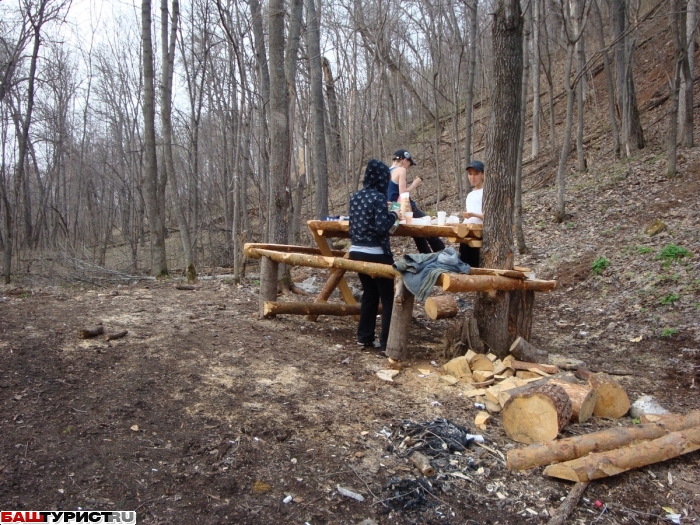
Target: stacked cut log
535 399
613 451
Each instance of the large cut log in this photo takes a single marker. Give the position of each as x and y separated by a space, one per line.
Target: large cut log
537 415
578 446
611 399
272 308
401 315
504 395
524 351
582 399
459 282
441 307
604 464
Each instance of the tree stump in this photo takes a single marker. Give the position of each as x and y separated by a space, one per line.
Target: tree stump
473 338
537 415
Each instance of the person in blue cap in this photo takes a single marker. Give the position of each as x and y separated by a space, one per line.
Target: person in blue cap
397 185
371 223
474 213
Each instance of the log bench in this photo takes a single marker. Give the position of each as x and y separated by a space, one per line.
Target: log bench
478 280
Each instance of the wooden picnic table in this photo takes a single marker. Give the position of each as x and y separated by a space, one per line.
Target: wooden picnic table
321 231
338 262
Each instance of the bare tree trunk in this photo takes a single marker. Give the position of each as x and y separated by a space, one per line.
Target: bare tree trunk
167 46
150 167
313 45
536 105
492 312
560 213
550 90
473 7
518 217
609 80
677 23
686 40
337 153
580 95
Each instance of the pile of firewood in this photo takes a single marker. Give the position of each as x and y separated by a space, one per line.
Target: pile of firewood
536 400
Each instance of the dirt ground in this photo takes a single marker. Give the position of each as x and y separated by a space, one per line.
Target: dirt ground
205 414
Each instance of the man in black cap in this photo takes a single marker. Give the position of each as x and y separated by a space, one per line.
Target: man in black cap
474 213
397 185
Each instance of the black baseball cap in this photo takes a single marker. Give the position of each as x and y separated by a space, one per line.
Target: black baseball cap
477 165
403 154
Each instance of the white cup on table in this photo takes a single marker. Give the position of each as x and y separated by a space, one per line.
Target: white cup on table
408 215
442 216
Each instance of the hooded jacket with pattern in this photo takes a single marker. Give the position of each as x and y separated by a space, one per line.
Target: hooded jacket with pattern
371 222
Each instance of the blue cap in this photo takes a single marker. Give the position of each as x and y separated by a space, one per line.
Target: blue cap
477 165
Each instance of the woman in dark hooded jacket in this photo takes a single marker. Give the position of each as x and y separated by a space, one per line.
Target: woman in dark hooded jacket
371 222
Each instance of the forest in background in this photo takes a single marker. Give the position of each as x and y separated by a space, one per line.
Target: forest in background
177 132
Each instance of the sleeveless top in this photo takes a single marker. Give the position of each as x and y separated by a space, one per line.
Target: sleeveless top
392 191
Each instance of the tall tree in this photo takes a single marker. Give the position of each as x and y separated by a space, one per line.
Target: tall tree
313 46
574 25
631 126
155 194
492 311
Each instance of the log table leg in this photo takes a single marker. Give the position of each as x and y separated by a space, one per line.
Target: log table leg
336 275
341 284
268 285
397 345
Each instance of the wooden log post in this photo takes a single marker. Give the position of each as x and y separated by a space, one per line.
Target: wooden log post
268 285
524 351
441 307
574 447
397 345
612 462
537 415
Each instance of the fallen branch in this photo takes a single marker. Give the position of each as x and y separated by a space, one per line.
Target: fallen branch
568 505
181 286
118 335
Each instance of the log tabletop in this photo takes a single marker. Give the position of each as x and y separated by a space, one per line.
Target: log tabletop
463 233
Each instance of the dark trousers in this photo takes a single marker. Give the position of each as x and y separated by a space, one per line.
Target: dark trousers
469 255
426 244
374 289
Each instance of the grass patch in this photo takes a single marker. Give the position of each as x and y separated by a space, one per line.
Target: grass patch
644 250
673 253
670 299
669 332
600 264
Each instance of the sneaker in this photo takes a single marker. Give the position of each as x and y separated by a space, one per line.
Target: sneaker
373 344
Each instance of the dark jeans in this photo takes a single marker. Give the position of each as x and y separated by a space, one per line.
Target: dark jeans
469 255
374 289
426 244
